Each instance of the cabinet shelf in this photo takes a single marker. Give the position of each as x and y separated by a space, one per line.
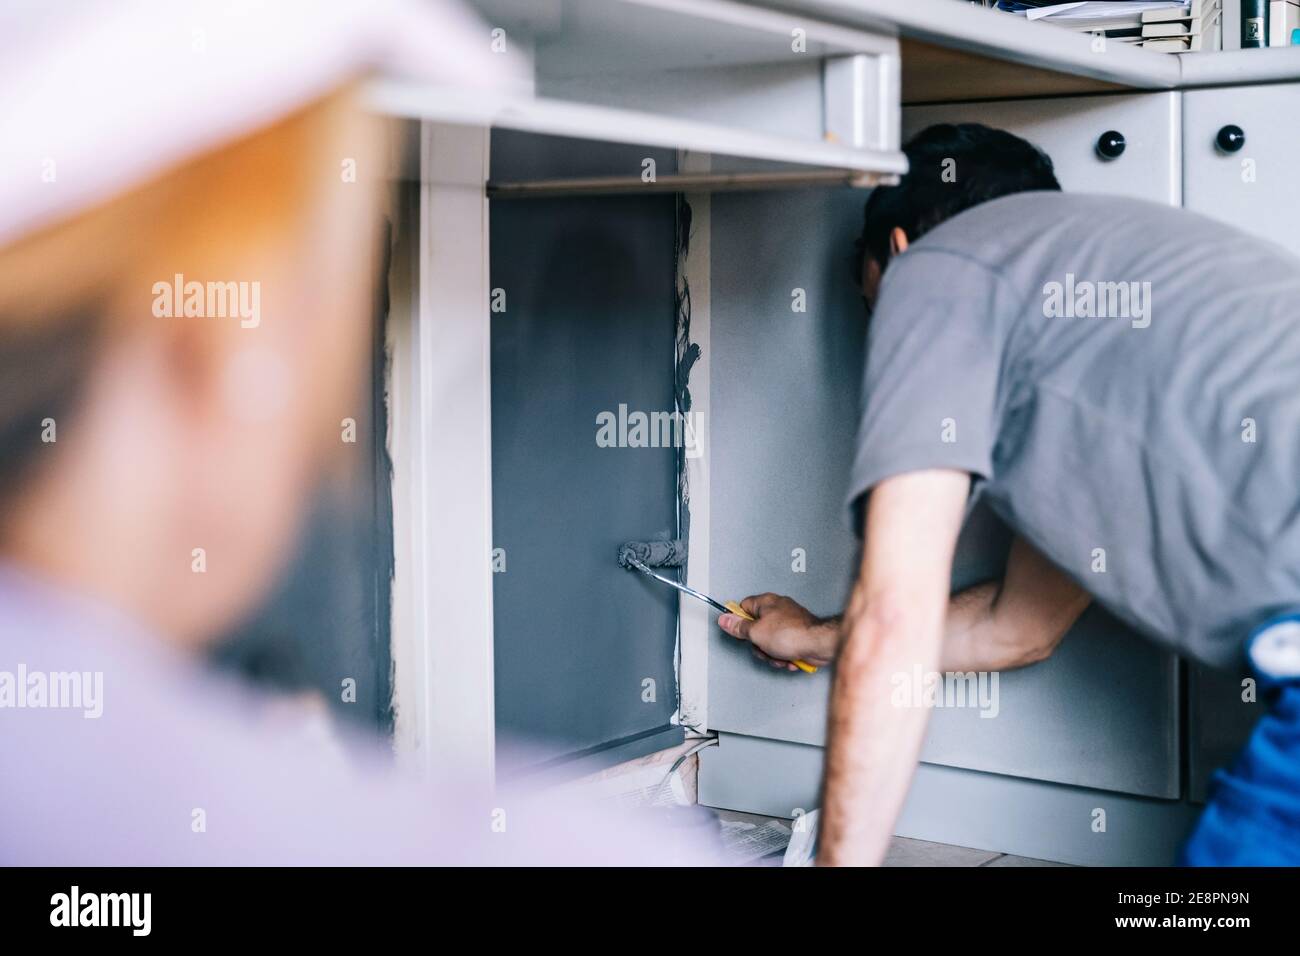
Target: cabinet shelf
863 167
692 75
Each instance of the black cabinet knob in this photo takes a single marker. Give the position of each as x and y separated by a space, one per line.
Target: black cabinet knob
1110 144
1230 138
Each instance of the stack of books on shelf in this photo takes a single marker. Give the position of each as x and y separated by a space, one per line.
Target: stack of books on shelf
1171 26
1182 31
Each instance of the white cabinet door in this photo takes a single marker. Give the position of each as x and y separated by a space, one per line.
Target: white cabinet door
1255 187
1069 129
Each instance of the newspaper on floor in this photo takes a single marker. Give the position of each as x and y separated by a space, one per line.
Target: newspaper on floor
745 842
648 786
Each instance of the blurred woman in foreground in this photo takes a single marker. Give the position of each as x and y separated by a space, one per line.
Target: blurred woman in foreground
156 449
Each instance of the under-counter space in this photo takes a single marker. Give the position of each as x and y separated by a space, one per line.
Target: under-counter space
1075 737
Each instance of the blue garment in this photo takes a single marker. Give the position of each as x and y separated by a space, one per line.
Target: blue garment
1253 817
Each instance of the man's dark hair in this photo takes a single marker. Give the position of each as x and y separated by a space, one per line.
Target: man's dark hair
984 164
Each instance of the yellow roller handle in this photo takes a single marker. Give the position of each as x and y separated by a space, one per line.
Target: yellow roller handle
739 611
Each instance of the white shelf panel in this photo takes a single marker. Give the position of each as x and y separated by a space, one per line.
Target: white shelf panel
1235 67
576 38
419 102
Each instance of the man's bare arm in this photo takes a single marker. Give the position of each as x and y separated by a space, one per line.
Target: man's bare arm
998 625
1001 625
894 623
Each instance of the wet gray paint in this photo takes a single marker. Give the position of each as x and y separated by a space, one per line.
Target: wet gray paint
687 354
589 326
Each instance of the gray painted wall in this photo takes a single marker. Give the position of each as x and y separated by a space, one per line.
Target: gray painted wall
589 325
784 403
1103 712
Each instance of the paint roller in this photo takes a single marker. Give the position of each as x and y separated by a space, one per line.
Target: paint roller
671 553
668 553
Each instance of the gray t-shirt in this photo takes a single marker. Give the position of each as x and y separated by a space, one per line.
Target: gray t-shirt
1123 380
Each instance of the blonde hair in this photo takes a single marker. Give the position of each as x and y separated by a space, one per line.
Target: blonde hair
68 288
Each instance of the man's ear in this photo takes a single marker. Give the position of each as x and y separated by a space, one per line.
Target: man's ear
897 241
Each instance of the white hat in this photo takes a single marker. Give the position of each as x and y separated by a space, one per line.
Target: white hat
98 96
